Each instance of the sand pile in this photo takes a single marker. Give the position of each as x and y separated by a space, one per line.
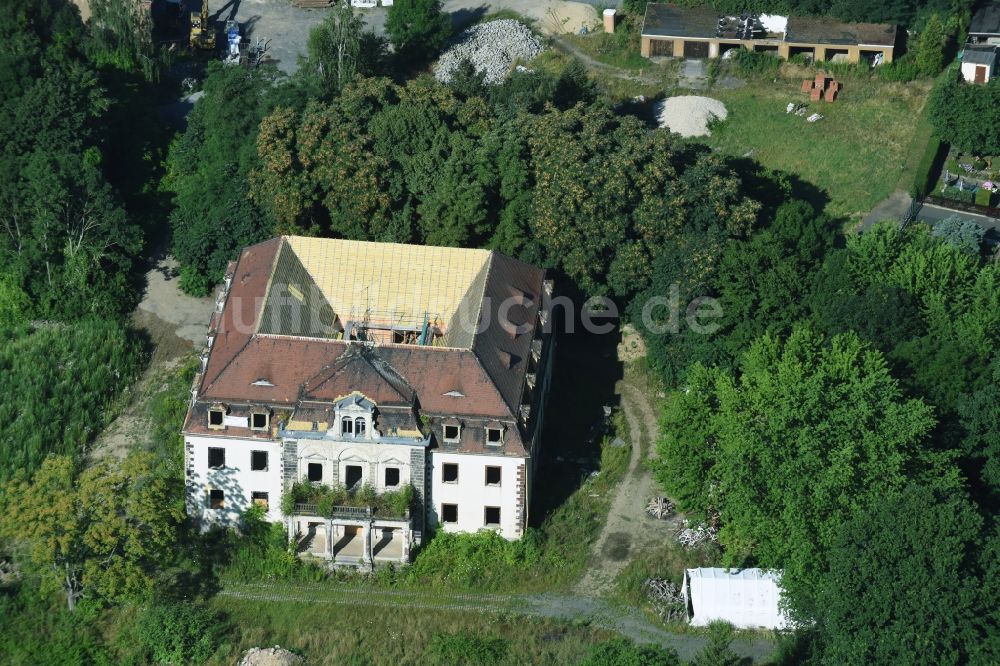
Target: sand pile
689 115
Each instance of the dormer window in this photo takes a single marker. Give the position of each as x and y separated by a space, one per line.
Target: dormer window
494 436
217 417
452 433
354 416
260 420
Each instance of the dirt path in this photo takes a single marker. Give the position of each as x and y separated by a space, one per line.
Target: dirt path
610 70
176 325
570 608
628 528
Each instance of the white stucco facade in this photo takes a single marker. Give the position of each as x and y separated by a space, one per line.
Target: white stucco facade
471 495
235 478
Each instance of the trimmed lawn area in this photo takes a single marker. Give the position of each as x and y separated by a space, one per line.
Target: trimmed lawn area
856 155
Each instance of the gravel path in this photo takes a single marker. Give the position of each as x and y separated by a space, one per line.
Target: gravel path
689 115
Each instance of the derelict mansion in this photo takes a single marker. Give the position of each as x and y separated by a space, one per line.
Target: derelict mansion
367 368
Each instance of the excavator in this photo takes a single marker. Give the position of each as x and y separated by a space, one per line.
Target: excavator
202 31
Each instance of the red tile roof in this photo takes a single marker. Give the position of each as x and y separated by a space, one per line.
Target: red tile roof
484 381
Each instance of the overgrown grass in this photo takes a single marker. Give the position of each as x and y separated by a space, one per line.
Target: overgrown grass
618 49
856 155
359 634
668 562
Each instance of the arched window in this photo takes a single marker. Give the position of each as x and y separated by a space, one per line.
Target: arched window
346 426
360 426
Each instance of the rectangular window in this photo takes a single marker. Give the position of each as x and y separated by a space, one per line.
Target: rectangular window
315 472
215 418
352 475
258 421
449 473
492 516
449 513
259 499
216 499
391 476
216 458
494 436
258 461
451 433
346 426
493 476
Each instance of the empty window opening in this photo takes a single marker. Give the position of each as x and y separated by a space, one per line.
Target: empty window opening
449 473
216 499
493 476
259 499
258 421
315 472
215 418
216 458
449 513
494 436
346 426
352 476
258 461
492 516
451 433
360 427
391 476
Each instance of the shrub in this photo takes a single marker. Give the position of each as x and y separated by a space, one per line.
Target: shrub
480 561
177 633
963 234
754 63
984 197
903 70
463 648
955 194
620 652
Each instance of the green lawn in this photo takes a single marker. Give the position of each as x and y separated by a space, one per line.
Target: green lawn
856 155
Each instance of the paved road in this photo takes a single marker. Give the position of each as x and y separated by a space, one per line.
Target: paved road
553 606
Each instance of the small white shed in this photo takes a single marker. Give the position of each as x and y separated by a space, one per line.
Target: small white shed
745 598
979 64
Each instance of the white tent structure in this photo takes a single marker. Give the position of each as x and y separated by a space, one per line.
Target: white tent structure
745 598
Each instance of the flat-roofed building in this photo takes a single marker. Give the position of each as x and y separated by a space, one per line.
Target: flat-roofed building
703 32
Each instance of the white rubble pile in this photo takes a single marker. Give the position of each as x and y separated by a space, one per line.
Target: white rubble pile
692 536
274 656
492 47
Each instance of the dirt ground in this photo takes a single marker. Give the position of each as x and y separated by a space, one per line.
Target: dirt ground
628 529
176 325
288 27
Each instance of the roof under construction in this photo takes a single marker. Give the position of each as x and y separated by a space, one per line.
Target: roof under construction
297 306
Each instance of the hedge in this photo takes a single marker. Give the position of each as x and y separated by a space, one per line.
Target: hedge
926 175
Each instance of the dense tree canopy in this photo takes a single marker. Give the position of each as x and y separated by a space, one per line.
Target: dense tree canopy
964 115
66 240
417 28
209 167
806 434
905 586
444 170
